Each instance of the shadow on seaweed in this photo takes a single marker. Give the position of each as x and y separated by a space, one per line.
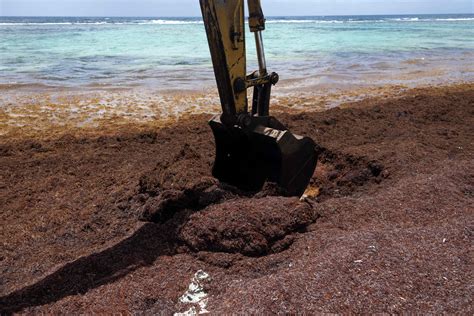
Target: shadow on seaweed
158 237
171 209
78 277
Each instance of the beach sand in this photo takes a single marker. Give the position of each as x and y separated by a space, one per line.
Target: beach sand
388 226
42 113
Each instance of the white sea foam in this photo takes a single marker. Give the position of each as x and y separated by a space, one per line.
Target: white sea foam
27 23
456 19
430 20
295 21
405 19
170 22
108 21
56 23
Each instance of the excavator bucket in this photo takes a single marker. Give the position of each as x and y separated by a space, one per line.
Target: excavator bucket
247 158
251 147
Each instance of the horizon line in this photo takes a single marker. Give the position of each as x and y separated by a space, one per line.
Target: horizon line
184 16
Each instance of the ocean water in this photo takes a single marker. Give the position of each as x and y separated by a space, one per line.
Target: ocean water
172 53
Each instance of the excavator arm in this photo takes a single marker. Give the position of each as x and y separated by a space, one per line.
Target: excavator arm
224 21
252 147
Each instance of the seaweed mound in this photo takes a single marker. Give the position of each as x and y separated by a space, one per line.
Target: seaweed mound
252 227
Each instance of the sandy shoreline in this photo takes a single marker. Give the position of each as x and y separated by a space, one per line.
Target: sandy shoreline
44 114
390 231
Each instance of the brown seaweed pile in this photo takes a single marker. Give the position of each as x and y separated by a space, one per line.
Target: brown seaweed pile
134 222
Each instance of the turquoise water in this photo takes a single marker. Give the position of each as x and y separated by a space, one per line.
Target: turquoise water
173 53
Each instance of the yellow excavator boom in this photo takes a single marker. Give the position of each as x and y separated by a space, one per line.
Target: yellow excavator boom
252 147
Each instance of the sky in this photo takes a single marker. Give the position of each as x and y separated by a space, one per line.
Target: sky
181 8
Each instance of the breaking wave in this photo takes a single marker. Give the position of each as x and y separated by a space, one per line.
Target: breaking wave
163 21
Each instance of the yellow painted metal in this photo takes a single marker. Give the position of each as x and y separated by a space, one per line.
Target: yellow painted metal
251 148
225 26
256 17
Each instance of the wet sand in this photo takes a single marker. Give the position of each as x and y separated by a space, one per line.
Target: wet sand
41 112
124 217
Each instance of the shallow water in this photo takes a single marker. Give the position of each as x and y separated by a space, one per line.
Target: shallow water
69 73
172 54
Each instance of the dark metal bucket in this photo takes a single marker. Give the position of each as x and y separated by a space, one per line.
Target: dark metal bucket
263 152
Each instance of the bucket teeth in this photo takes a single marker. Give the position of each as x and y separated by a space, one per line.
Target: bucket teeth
247 158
